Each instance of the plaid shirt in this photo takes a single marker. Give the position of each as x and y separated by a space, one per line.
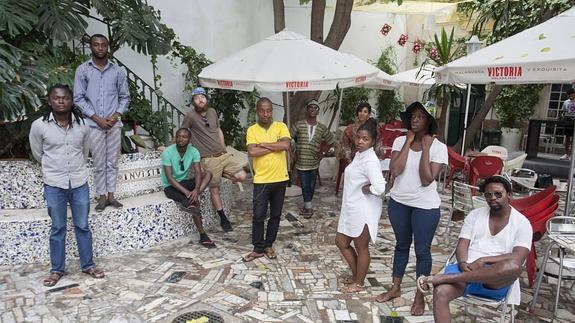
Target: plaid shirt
307 148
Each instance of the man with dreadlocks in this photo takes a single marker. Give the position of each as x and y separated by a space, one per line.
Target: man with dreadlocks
101 92
60 143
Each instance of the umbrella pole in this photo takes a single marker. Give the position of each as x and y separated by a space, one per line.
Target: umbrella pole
570 181
465 118
287 110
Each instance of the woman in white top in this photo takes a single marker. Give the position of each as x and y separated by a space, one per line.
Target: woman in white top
414 204
360 207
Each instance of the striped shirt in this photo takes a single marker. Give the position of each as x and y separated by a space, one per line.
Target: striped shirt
308 141
101 93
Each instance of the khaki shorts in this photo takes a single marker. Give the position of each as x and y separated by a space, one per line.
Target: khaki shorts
228 163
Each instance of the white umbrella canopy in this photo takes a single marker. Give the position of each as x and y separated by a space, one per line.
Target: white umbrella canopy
417 76
287 61
542 54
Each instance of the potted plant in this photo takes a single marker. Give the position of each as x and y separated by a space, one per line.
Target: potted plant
513 107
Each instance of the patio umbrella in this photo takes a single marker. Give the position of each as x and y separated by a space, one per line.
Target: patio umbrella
417 76
285 62
541 54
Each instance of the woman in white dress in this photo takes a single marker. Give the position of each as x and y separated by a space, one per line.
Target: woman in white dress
413 206
360 207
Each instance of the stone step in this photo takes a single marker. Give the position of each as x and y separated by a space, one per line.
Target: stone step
144 221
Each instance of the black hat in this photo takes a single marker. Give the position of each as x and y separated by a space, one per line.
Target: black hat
406 117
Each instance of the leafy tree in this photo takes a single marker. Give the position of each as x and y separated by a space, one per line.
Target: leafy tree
508 18
514 105
388 103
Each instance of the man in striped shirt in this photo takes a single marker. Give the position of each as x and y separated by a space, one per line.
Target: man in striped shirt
312 139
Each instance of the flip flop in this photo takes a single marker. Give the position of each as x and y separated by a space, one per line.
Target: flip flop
208 243
53 279
425 280
346 279
94 273
252 256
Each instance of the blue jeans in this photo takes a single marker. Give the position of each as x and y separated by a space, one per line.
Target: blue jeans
57 200
412 223
307 181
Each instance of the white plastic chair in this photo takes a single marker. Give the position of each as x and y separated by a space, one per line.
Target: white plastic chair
516 162
499 306
464 200
496 151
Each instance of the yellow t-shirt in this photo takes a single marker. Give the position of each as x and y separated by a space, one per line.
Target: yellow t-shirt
272 167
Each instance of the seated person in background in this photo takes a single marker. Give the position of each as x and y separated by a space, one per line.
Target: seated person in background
179 182
493 245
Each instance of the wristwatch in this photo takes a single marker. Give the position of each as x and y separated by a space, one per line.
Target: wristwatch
119 117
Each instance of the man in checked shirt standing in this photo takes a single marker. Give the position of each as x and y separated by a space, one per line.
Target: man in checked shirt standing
101 92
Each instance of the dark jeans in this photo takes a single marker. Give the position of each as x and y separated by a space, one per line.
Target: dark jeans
408 222
307 181
173 194
264 194
57 200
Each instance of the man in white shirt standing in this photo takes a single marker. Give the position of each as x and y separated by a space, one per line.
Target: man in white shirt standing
493 245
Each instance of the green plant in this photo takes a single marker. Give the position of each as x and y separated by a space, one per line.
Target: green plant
227 103
388 103
351 98
156 123
514 105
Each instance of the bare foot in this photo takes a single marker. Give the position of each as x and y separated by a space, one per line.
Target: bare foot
418 307
389 295
353 288
346 279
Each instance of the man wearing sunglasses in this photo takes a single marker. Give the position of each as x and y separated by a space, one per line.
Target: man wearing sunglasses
180 184
208 138
308 135
493 245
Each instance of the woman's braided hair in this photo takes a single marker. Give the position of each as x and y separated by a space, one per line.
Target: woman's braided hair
76 113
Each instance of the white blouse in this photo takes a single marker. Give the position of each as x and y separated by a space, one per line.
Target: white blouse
357 208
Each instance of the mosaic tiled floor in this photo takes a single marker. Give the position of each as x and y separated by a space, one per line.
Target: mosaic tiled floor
161 283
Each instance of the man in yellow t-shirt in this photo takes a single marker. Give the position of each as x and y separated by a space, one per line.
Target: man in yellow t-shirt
267 142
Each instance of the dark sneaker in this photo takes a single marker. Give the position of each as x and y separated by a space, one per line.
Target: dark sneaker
115 204
100 206
226 225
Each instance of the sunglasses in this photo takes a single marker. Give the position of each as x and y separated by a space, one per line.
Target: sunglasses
313 107
182 168
489 195
205 120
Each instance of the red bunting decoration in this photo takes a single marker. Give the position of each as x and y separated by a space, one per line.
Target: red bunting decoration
402 40
385 29
417 46
433 54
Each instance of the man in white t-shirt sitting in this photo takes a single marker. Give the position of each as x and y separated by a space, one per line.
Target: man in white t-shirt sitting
493 245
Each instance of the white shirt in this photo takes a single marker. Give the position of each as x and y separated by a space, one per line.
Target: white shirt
357 208
517 233
407 188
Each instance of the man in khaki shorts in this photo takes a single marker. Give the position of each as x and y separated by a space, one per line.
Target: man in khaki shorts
208 138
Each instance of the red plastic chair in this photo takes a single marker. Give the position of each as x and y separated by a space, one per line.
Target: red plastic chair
340 170
396 124
456 163
387 138
537 209
483 167
538 224
538 199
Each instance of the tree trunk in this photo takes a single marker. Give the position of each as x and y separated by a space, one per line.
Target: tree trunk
340 24
279 16
298 102
478 120
443 115
317 19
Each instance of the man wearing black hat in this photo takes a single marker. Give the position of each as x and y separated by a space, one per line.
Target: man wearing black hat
309 135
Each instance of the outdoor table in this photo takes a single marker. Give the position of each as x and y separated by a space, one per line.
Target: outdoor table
566 242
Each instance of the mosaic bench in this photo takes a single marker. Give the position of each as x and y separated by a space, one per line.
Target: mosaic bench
147 218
